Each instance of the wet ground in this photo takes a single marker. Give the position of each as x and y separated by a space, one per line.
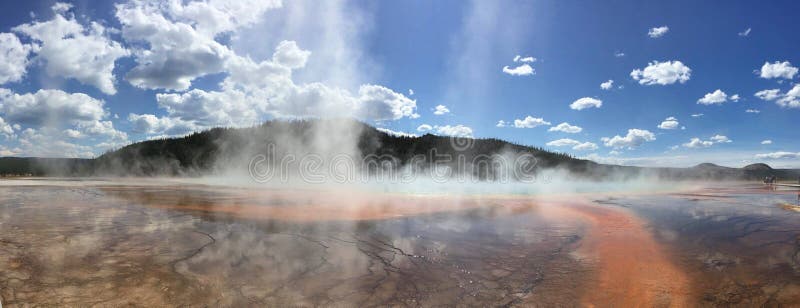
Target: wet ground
111 243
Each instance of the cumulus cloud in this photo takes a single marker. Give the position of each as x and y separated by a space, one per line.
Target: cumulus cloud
180 39
714 98
735 98
501 123
289 55
768 95
396 133
527 59
53 115
530 122
586 146
253 91
424 128
151 124
720 139
440 110
586 102
13 58
699 143
778 70
49 107
566 128
575 144
662 73
72 50
669 123
779 155
657 32
447 130
607 85
791 99
633 139
766 142
6 129
522 70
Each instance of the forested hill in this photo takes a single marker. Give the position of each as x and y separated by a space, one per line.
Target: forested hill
210 151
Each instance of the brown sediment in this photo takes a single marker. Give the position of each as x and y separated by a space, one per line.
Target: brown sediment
631 268
298 205
790 207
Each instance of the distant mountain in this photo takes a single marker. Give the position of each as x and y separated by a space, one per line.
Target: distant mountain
219 149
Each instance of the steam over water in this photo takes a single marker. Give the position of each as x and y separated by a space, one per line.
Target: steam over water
168 243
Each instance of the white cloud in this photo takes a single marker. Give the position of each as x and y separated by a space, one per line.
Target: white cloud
563 142
575 144
530 122
447 130
287 54
752 111
49 143
440 110
789 100
72 50
253 91
766 141
669 123
586 102
657 31
501 123
424 128
697 143
607 85
634 138
13 58
396 133
720 139
662 73
735 98
778 70
527 59
61 7
74 134
410 92
746 32
181 40
697 115
586 146
152 125
619 54
768 95
522 70
566 128
49 107
53 111
6 129
779 155
715 98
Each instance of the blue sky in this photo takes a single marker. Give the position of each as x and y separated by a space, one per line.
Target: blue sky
169 68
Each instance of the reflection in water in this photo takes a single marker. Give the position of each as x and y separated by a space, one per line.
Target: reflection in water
108 244
743 246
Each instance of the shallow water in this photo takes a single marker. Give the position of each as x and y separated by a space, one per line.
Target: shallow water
152 243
